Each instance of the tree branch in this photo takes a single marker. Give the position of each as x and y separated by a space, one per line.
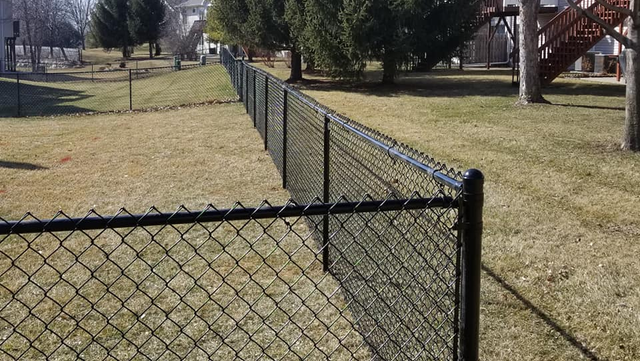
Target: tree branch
617 9
608 28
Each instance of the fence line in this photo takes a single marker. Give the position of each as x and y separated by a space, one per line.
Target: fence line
37 94
319 152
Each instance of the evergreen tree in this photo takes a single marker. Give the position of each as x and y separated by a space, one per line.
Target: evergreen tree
146 18
393 31
262 24
111 26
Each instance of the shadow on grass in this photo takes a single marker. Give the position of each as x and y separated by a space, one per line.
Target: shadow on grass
455 83
21 166
36 100
584 349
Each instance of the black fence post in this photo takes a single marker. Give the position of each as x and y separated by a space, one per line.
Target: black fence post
246 87
285 112
326 195
130 92
472 204
266 112
19 98
254 97
92 72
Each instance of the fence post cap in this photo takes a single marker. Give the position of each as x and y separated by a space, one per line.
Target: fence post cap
473 175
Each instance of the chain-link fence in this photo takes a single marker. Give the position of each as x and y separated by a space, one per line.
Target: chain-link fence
321 153
36 94
379 261
219 284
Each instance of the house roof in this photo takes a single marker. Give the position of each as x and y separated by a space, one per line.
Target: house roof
192 3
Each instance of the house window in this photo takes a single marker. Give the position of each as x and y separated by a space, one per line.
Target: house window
194 11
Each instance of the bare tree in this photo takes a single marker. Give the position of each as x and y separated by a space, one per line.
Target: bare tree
530 85
33 20
631 42
79 12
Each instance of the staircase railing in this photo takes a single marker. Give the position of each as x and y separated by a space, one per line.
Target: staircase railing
570 34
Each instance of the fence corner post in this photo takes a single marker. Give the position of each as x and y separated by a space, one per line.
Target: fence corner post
472 206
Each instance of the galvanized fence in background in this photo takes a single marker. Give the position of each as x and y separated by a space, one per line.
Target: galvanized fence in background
432 309
41 94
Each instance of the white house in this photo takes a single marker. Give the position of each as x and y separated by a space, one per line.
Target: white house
6 29
194 12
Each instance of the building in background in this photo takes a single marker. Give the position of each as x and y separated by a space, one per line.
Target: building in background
194 18
6 30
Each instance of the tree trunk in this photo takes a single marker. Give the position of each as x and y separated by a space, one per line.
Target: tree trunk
631 139
151 50
311 65
296 66
389 67
158 49
530 87
64 54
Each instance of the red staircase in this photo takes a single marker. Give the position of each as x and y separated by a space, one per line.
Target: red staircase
488 10
570 35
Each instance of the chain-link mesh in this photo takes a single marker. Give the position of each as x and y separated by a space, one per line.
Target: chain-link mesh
214 284
404 295
36 94
275 124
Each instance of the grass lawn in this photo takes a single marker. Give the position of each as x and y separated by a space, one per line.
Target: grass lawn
193 157
63 94
561 279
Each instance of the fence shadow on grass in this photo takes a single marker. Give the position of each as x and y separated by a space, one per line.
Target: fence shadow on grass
584 349
37 100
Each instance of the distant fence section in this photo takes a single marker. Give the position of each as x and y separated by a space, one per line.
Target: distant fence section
413 296
55 93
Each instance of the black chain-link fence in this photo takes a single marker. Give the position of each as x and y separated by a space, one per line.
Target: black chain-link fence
221 284
323 154
393 276
36 94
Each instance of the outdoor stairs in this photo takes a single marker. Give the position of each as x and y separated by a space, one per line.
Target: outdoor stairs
488 9
194 38
569 35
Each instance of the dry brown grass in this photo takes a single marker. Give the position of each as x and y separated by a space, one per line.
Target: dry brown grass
262 278
192 156
561 280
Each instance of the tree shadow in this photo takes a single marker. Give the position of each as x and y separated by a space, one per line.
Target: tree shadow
454 84
21 166
584 349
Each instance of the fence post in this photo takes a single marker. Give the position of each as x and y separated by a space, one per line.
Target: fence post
242 75
266 112
19 99
285 112
326 195
92 72
254 97
130 92
246 87
472 204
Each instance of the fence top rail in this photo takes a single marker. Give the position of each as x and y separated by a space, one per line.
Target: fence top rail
124 219
437 174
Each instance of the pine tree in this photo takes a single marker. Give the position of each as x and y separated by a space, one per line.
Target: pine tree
394 31
110 25
146 18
